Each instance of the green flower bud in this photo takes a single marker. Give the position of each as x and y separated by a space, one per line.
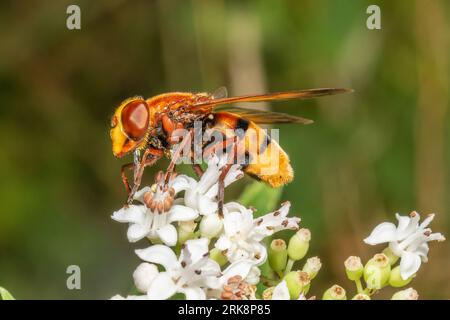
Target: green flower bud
299 244
335 293
218 256
186 231
306 288
377 271
277 255
354 268
211 226
407 294
361 296
296 282
312 267
396 280
391 256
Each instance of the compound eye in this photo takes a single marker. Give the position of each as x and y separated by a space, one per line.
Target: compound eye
135 119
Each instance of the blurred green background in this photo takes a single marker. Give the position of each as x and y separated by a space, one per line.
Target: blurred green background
381 150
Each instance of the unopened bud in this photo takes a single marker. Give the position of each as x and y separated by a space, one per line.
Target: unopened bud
217 255
312 267
407 294
144 275
377 271
211 226
186 231
391 256
396 280
299 244
296 282
361 296
277 255
354 268
335 293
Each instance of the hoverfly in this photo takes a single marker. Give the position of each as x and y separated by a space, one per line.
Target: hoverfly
147 127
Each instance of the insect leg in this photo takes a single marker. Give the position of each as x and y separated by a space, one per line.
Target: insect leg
150 157
186 141
221 192
224 172
218 146
198 170
127 166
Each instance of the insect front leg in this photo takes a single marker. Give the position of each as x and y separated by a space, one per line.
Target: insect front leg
150 157
127 166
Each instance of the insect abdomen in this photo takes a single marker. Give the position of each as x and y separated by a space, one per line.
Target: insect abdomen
265 159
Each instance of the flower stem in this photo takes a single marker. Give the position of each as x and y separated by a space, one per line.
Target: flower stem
289 266
359 287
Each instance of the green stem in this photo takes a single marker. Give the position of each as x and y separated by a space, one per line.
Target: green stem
359 287
289 266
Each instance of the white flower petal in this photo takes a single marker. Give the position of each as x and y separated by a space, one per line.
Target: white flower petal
208 179
139 195
168 235
137 232
158 254
239 268
384 232
132 213
403 222
422 251
211 226
194 293
194 250
411 228
180 183
253 276
223 243
281 292
237 221
427 221
395 248
162 287
206 205
436 237
259 253
409 264
233 175
182 213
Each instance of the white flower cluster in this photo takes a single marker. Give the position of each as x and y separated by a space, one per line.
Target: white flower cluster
407 241
235 239
201 254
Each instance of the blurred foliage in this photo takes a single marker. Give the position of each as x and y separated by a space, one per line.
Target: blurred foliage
383 149
260 197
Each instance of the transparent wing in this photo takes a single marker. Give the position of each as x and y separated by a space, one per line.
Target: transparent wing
220 93
218 102
267 117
